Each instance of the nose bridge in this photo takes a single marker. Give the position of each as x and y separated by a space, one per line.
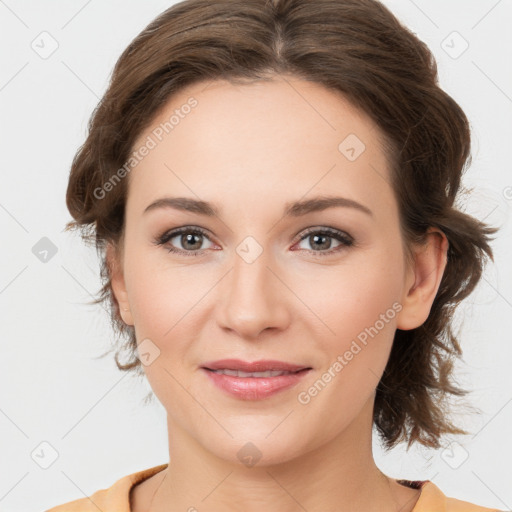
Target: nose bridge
252 298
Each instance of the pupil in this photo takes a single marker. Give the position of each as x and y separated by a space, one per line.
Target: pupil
189 238
317 237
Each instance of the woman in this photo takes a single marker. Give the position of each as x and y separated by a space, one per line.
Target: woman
271 186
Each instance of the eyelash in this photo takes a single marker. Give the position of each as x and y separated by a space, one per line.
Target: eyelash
345 239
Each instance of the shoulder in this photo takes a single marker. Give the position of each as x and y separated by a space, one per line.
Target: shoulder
455 505
433 498
115 498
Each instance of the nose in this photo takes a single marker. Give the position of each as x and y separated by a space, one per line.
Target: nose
253 298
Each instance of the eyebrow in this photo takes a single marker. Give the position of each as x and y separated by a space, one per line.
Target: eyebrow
292 209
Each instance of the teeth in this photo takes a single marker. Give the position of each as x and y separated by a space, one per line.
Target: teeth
237 373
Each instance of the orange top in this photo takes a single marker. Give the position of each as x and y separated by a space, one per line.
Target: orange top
117 497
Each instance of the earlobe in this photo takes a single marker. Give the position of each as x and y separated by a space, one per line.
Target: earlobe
118 283
423 280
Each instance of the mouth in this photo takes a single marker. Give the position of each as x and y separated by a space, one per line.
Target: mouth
254 380
254 367
257 375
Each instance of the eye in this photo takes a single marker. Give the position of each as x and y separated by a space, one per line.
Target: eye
320 239
190 239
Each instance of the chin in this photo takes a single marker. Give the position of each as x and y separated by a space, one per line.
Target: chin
255 447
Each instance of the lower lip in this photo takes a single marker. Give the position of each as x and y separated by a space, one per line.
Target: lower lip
254 388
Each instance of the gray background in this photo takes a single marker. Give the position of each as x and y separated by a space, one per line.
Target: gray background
87 414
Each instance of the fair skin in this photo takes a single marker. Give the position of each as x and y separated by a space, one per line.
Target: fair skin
250 150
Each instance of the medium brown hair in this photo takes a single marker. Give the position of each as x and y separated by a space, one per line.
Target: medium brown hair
355 47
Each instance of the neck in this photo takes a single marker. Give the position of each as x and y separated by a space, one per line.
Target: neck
339 475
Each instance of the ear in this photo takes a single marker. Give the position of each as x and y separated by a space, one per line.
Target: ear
118 283
423 278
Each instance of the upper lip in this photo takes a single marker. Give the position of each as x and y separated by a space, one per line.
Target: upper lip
254 366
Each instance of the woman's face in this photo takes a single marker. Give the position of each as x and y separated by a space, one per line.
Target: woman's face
318 287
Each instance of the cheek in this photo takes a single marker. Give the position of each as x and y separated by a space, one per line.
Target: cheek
357 305
353 296
163 312
160 295
168 305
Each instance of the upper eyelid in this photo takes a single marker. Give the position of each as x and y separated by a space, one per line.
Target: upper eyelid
324 229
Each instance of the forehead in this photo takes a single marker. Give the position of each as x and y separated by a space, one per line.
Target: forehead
285 136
